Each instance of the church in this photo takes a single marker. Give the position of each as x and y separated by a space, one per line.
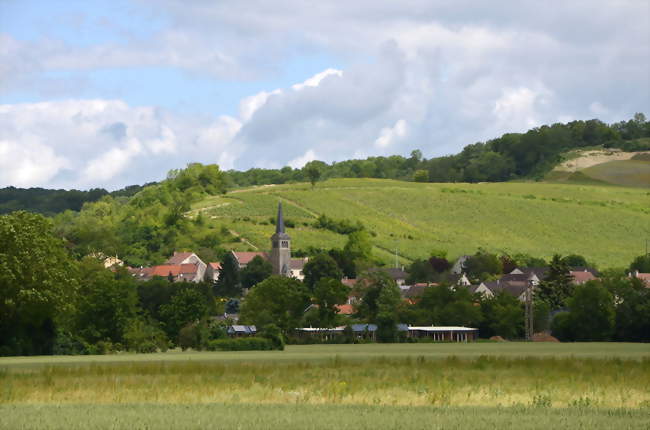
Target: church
280 255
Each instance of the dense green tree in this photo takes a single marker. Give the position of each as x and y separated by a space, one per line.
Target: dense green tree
441 305
358 249
482 265
38 284
329 292
503 315
575 260
186 306
105 303
387 313
592 313
369 287
228 284
257 270
344 261
313 173
322 266
641 264
277 300
632 303
557 287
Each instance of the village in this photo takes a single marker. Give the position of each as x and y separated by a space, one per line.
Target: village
520 283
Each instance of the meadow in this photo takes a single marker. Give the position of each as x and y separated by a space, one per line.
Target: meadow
603 223
478 385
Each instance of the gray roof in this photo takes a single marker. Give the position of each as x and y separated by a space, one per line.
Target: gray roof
357 328
247 329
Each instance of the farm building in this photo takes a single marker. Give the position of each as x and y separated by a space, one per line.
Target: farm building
368 331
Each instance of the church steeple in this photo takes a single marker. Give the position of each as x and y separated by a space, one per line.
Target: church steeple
279 224
281 247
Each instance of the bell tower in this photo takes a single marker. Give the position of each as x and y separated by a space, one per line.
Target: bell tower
281 247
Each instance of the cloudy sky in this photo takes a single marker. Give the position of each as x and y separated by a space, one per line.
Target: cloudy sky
110 93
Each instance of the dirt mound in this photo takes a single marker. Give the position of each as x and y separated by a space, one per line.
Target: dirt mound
498 339
544 337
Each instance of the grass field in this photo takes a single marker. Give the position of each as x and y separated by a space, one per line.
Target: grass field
633 173
479 385
603 223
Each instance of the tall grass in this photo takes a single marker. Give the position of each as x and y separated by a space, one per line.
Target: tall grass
407 381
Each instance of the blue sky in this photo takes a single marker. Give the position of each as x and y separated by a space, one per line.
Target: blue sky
268 84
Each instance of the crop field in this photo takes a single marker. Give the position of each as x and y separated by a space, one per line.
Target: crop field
603 223
478 385
633 173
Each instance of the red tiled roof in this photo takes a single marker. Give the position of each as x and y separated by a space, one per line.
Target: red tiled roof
345 309
179 257
246 257
174 269
645 277
582 277
215 266
349 282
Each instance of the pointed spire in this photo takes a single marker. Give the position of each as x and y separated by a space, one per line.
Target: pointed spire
279 224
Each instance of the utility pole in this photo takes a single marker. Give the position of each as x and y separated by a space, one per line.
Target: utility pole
528 314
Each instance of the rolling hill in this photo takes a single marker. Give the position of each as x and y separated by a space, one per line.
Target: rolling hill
606 224
604 166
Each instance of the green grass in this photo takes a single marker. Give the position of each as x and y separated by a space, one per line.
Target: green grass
315 353
311 417
632 173
603 223
474 385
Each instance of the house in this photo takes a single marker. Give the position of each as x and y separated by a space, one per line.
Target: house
369 331
444 334
459 265
458 279
212 272
243 258
514 284
181 258
180 267
581 277
345 309
241 330
644 277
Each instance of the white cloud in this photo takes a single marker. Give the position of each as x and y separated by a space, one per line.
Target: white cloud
433 75
28 163
315 80
389 135
88 143
299 162
517 108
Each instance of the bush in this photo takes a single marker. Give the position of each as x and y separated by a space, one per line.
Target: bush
241 344
273 333
141 336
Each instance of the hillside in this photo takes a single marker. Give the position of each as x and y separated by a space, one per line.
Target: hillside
604 166
605 224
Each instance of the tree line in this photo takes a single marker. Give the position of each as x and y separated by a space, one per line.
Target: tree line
511 156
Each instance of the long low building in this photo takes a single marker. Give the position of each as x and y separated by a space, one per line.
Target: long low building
436 333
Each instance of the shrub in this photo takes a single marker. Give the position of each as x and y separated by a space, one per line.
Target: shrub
273 333
142 336
241 344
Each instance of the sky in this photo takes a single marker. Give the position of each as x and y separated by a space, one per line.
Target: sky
108 93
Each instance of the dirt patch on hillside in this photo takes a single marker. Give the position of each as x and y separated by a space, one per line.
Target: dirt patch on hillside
594 157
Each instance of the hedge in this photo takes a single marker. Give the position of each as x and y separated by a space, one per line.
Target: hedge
241 344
